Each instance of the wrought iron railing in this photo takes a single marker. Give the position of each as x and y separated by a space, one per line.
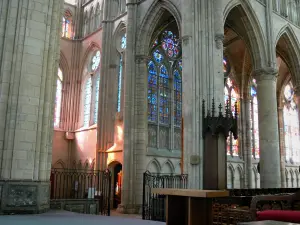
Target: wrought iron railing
229 210
82 184
154 205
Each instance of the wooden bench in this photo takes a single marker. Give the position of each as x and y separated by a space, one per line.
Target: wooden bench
189 207
276 207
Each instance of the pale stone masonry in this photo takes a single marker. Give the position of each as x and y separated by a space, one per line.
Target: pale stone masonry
259 40
29 49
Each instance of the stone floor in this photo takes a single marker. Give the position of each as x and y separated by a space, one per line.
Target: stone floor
66 218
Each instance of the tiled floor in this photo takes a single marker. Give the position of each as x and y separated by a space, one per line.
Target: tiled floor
66 218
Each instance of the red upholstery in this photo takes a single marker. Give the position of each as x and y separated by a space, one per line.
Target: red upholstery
279 215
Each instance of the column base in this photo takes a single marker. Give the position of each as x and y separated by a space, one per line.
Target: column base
24 197
129 209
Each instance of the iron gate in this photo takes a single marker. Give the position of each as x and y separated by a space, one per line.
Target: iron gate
70 184
154 205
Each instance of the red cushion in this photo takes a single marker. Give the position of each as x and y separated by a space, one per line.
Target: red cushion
279 215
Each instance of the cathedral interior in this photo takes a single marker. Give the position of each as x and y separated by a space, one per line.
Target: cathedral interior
118 84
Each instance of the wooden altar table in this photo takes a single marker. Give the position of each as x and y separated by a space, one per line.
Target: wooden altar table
189 207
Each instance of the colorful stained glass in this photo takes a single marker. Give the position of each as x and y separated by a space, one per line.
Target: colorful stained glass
170 44
58 98
96 61
158 56
291 126
226 68
177 98
97 87
254 121
67 25
87 102
123 41
164 95
152 92
231 96
165 89
120 77
180 65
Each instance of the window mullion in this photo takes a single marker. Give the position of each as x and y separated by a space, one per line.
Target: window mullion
172 109
158 106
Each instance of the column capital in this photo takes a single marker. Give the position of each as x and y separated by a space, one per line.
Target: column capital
219 38
265 73
142 58
297 90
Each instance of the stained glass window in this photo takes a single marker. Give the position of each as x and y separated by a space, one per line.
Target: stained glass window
96 61
67 25
123 41
291 126
231 96
97 86
87 102
165 90
58 97
254 120
120 77
177 98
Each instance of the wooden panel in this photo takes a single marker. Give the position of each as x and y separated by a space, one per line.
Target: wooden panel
200 211
177 210
190 192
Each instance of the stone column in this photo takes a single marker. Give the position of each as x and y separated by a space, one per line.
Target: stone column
201 80
268 128
247 140
30 36
281 146
105 124
135 119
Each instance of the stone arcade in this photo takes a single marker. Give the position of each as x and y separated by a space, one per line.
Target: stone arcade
107 83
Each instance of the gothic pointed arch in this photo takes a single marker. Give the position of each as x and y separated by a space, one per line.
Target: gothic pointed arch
248 28
164 96
59 164
288 49
154 165
168 164
152 18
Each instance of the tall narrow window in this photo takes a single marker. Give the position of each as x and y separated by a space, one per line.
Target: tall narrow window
254 120
120 73
232 97
87 102
165 91
67 25
95 71
291 126
97 87
58 97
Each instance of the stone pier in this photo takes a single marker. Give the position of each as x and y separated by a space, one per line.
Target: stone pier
29 40
268 128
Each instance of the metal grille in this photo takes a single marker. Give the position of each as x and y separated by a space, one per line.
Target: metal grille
82 184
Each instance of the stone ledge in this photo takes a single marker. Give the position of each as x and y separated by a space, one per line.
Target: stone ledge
24 197
85 206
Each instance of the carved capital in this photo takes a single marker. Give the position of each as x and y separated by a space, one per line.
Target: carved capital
266 73
219 38
142 59
186 39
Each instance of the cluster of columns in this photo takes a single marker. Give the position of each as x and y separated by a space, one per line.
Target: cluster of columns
29 53
207 85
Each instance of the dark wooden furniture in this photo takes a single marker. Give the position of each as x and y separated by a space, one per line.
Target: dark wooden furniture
267 222
189 207
283 204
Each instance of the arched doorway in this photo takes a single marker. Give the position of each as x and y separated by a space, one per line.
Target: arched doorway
116 170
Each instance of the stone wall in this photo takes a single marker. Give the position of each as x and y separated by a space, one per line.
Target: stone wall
24 197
